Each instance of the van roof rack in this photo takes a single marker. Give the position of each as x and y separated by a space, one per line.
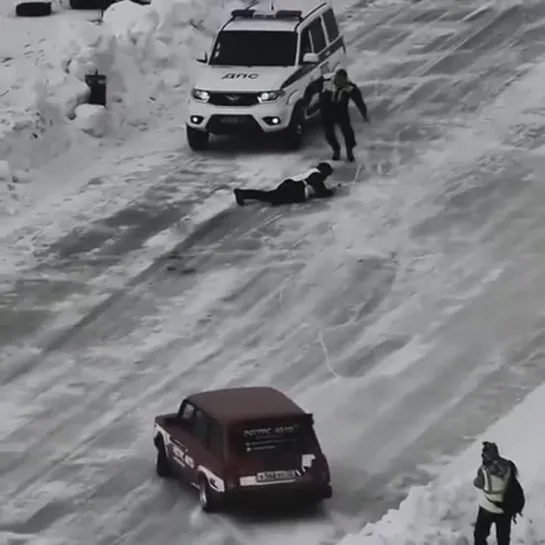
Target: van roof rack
285 14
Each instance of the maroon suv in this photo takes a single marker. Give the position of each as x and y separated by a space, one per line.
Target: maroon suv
242 444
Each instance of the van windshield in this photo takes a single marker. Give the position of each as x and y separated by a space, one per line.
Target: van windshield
254 48
296 437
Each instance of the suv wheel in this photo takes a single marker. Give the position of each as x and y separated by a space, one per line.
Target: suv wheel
162 467
197 140
207 500
294 134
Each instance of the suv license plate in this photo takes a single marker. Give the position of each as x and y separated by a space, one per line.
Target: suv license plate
231 120
271 476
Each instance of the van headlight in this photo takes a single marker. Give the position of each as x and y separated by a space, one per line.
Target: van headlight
269 96
199 94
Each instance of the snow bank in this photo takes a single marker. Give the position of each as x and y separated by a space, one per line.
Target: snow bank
443 513
92 119
145 52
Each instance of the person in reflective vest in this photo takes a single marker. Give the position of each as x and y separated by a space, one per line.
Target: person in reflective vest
492 478
297 189
335 97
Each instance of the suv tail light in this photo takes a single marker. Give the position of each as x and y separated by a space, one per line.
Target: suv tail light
320 468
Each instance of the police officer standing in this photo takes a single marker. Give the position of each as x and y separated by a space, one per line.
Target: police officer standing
334 101
492 479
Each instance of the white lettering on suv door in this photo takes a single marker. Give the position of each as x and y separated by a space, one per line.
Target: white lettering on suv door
182 457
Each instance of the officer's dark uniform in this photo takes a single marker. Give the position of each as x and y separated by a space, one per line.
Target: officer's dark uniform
297 189
335 97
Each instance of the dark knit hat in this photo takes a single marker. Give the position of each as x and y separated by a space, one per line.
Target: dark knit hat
325 168
490 450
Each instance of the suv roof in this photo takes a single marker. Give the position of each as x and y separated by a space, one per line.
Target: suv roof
261 25
289 20
232 405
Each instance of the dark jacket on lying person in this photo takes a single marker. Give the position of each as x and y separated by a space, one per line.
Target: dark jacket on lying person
298 189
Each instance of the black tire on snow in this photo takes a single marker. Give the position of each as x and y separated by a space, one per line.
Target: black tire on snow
207 499
33 9
162 466
197 140
90 4
293 136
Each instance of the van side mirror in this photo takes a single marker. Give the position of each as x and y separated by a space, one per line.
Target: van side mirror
203 59
310 58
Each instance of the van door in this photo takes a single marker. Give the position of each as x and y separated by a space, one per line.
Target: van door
275 451
320 47
209 451
179 447
336 49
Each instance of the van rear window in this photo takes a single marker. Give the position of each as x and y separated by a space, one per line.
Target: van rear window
279 438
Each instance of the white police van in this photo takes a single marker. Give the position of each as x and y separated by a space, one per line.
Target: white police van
263 73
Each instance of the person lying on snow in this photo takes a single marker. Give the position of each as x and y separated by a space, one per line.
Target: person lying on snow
293 190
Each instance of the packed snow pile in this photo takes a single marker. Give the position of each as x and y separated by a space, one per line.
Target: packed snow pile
444 512
145 52
92 119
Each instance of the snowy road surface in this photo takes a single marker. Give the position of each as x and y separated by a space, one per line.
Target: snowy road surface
407 314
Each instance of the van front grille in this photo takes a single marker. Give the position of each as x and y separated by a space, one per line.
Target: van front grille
233 99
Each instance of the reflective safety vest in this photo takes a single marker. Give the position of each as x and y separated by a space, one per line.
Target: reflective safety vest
493 491
337 93
309 190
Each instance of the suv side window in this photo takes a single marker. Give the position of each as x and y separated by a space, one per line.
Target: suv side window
331 25
318 35
200 428
306 44
186 415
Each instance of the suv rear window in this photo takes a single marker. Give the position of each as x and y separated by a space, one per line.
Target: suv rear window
295 437
254 48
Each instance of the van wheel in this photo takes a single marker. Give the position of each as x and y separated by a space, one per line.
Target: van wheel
197 140
294 134
162 466
207 499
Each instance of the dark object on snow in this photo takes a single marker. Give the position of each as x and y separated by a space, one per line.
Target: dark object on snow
293 190
97 85
334 101
86 4
91 4
33 9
